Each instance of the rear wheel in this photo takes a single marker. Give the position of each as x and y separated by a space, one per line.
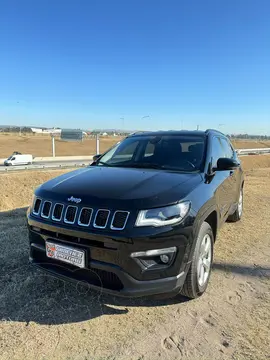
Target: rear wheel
237 215
200 268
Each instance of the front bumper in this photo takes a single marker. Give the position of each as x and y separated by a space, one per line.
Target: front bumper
109 266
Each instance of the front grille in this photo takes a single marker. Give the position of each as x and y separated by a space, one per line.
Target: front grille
85 216
57 212
46 208
37 206
70 215
119 220
101 218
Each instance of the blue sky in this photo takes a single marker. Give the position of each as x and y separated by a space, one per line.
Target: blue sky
90 63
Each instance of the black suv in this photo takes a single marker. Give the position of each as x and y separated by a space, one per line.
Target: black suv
142 219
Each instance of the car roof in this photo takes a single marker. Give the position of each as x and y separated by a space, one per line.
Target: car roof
177 132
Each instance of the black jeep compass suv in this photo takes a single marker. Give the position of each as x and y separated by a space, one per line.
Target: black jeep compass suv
143 217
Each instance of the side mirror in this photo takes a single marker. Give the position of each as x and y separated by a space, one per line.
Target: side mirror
227 164
96 157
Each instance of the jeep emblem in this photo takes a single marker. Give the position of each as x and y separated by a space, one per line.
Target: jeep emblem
73 199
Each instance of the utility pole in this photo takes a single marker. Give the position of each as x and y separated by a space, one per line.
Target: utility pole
53 146
97 144
123 121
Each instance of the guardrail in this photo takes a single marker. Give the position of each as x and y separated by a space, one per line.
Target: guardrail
58 158
64 162
253 151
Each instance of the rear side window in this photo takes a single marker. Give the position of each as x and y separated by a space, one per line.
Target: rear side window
227 148
149 150
217 150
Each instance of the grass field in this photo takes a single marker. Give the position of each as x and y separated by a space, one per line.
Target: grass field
45 318
41 145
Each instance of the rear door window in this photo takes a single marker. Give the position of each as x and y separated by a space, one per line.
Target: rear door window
217 150
227 148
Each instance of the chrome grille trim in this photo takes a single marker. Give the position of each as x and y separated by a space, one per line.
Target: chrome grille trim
85 208
76 219
125 223
37 212
54 218
76 210
45 216
101 227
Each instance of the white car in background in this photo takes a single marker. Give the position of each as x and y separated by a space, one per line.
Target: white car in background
19 159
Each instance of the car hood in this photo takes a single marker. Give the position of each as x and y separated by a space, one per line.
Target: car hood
120 187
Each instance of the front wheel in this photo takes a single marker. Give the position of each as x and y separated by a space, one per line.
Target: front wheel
200 268
237 215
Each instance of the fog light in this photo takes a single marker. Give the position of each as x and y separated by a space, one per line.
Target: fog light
165 259
156 252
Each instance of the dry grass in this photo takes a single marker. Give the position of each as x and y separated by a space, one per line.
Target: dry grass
250 144
45 318
40 145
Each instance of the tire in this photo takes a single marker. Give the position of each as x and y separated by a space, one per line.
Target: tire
195 285
237 215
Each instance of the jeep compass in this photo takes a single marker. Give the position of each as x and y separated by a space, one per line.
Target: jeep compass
143 218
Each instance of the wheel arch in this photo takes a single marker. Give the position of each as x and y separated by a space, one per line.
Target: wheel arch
212 220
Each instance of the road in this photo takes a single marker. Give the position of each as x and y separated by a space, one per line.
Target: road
46 164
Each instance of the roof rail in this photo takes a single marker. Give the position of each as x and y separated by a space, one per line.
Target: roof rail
138 132
215 131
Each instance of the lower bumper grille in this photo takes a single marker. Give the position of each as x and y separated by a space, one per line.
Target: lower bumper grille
97 277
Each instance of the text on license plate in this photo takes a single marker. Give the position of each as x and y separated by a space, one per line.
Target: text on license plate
66 254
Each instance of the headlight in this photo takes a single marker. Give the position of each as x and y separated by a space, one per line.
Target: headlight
168 215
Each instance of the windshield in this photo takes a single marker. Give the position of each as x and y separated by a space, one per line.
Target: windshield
170 152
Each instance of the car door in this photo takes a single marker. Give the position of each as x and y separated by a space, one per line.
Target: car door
13 160
222 180
233 183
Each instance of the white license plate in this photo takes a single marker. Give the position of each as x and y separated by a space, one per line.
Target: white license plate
66 254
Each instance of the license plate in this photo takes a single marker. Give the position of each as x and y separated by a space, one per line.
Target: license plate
66 254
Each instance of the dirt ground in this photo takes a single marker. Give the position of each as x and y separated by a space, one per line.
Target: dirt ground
41 145
45 318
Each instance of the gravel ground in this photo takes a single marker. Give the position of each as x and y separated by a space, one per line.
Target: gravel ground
45 318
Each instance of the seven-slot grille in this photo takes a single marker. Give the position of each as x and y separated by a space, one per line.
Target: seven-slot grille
86 216
57 212
119 220
70 214
46 209
37 206
101 219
